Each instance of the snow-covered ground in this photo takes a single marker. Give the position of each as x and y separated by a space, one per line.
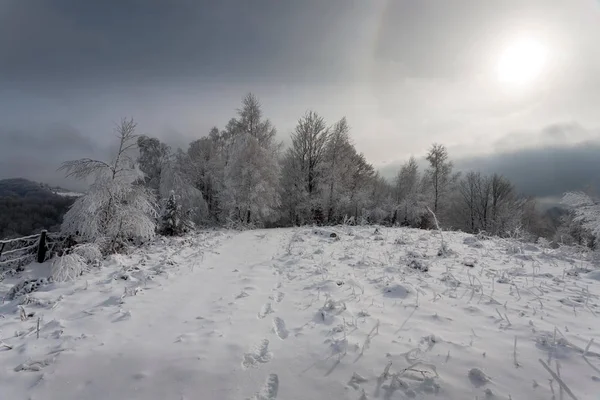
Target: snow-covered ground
297 314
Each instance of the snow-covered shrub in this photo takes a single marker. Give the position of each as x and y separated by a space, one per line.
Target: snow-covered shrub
90 252
586 209
25 287
68 267
543 243
325 233
238 225
116 207
472 241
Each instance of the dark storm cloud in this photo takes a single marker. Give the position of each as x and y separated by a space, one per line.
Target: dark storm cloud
69 40
543 171
550 165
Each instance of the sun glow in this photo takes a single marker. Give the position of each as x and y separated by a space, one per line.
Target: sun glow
521 62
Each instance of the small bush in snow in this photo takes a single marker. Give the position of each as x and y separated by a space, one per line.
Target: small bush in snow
90 252
418 265
543 243
116 208
68 267
25 287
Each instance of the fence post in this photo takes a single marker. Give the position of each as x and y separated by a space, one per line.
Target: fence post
41 251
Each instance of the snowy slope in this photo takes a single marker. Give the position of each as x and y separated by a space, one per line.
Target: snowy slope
296 314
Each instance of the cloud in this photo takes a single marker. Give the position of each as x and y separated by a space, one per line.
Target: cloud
552 136
545 163
405 73
135 41
543 171
37 154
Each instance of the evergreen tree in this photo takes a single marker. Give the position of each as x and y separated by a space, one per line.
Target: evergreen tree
173 221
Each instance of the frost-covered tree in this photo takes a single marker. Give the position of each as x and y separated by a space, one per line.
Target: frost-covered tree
380 208
151 160
339 151
410 201
175 180
250 121
251 182
570 232
586 211
439 176
504 205
205 167
486 203
307 155
295 207
250 192
360 174
117 207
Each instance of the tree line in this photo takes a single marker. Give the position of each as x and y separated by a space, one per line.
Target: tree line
27 207
242 175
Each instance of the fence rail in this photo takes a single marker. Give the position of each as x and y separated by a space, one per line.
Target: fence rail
18 252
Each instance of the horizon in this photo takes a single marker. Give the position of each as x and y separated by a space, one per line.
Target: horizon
507 87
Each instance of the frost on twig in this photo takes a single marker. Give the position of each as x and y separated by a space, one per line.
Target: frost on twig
557 379
443 251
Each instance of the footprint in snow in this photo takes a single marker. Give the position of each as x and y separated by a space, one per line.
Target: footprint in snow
259 355
477 377
242 295
265 310
278 297
123 316
269 390
279 328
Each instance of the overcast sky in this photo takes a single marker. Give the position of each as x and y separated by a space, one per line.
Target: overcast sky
404 73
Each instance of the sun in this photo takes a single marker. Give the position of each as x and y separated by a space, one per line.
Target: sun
522 62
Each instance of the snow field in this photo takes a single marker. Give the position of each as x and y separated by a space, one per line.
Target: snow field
298 314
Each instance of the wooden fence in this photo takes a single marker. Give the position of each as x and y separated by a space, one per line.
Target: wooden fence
18 252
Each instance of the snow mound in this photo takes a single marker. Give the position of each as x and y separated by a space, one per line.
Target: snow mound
397 291
595 275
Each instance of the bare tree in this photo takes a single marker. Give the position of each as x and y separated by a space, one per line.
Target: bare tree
467 190
503 201
483 187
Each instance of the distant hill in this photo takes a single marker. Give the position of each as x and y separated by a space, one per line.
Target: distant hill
27 207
